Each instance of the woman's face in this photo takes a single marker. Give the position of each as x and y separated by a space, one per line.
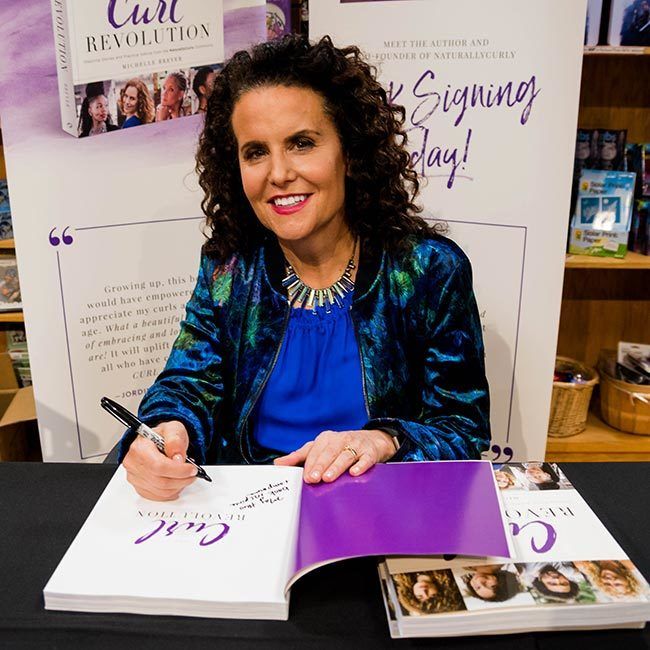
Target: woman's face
98 109
503 480
614 583
484 584
556 582
424 589
537 475
172 94
130 100
292 163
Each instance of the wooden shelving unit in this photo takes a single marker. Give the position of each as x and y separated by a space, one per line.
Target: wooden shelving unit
605 300
599 442
630 261
7 244
12 317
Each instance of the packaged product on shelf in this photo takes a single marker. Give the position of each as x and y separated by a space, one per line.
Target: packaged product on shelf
637 160
638 240
122 65
17 349
601 222
592 25
567 571
609 149
629 23
6 228
9 285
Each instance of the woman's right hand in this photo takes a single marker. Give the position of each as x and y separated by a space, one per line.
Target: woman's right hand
156 476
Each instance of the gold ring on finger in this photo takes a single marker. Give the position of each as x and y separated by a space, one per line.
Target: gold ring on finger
352 450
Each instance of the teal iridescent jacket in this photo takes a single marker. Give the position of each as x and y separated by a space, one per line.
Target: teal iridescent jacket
419 337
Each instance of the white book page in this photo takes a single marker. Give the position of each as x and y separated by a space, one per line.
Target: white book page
229 541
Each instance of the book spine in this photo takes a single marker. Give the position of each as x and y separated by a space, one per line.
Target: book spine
64 66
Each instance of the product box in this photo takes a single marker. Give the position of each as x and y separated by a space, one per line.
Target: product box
122 64
603 211
629 23
18 429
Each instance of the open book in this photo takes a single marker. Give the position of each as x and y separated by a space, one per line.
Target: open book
233 548
567 572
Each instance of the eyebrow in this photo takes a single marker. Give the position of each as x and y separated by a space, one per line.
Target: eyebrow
293 136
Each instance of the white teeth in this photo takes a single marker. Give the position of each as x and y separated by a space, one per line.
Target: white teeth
289 200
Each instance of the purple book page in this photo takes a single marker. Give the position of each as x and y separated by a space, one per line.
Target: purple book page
428 508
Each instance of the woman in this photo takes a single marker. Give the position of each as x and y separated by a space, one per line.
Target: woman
615 578
94 117
136 104
492 583
172 97
433 592
330 326
560 583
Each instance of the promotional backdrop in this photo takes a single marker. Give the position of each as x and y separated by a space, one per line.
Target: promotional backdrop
491 97
108 235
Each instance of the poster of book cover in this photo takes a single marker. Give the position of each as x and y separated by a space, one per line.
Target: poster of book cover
629 23
109 228
490 113
278 18
122 64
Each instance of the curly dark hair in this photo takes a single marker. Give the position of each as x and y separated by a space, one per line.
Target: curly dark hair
381 184
446 599
573 592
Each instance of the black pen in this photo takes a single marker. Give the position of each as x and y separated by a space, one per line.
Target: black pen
132 422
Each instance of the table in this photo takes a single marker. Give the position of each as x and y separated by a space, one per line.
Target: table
43 505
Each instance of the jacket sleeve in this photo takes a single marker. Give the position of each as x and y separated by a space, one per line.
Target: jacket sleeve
454 421
190 387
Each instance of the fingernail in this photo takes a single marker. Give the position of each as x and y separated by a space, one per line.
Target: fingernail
315 475
329 474
177 457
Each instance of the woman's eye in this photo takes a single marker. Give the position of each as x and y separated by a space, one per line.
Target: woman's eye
303 144
253 154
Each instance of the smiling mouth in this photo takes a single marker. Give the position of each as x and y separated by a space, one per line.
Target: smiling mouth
289 201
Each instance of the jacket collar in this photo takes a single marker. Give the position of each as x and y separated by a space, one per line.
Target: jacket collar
370 259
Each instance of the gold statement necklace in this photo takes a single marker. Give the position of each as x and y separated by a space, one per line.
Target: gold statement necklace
302 295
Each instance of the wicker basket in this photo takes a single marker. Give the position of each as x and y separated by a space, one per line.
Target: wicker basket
623 405
570 401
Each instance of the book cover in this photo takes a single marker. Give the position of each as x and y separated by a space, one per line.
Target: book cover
6 227
249 535
567 570
592 24
629 23
278 18
122 64
603 211
608 149
10 298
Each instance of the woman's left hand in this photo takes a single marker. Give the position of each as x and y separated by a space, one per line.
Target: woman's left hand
334 452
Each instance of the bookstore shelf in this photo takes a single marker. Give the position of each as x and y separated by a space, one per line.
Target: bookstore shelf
630 261
598 443
12 317
600 50
7 244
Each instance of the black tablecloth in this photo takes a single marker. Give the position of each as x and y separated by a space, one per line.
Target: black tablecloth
42 506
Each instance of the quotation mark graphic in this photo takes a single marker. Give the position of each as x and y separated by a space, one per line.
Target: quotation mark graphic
55 240
496 450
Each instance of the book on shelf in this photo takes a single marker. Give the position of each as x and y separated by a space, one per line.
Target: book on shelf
10 299
244 539
122 64
629 23
567 572
6 227
278 18
592 24
17 349
603 213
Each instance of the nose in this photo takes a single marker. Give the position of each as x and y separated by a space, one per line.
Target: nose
281 171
